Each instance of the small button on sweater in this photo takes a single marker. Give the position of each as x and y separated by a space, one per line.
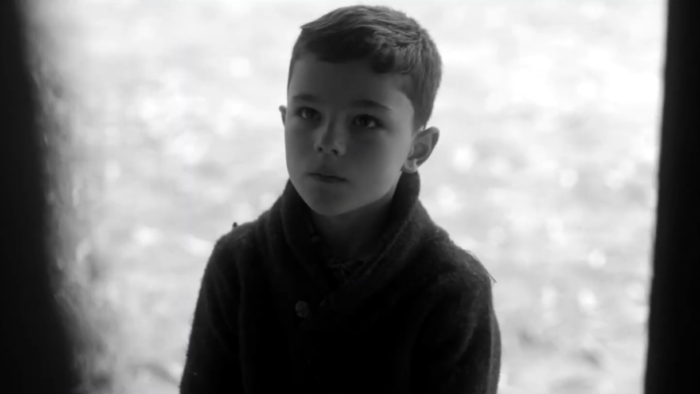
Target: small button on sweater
273 315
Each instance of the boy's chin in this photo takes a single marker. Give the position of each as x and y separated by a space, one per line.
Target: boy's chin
330 205
322 201
335 202
328 208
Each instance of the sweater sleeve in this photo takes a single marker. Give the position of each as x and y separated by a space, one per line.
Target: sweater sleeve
212 363
459 347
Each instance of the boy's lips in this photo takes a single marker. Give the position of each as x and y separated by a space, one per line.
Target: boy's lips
327 176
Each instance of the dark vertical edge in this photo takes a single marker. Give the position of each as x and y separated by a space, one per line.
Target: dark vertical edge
35 342
674 330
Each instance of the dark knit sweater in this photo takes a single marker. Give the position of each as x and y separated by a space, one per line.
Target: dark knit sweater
341 270
271 317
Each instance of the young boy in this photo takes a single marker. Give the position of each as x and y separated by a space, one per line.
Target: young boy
345 285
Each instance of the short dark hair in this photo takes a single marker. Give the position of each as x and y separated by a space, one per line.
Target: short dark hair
391 41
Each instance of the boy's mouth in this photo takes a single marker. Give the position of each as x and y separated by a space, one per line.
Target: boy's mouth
327 177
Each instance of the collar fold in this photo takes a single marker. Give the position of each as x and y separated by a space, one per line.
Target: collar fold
407 227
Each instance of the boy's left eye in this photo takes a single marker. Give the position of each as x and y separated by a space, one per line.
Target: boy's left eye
367 121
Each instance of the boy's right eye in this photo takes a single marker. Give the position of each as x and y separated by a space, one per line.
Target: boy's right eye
307 113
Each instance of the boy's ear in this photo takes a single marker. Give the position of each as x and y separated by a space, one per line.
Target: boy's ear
423 144
283 112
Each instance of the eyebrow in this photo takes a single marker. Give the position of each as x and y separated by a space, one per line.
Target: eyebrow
362 103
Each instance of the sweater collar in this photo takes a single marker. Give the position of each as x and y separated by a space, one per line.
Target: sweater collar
407 224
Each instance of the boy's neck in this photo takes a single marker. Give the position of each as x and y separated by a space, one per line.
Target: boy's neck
355 233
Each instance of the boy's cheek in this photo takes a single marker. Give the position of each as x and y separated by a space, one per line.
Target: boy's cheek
296 143
299 140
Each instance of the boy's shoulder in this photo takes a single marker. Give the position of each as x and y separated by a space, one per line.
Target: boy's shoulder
229 246
240 235
452 266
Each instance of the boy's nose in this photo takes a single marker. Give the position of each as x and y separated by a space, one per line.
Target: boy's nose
330 140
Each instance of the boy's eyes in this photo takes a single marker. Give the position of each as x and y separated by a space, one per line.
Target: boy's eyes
365 121
307 113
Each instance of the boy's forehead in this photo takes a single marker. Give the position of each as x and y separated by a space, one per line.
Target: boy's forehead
311 76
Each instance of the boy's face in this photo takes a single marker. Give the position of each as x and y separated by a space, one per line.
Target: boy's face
345 121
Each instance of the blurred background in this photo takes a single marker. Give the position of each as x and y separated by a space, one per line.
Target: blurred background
163 123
